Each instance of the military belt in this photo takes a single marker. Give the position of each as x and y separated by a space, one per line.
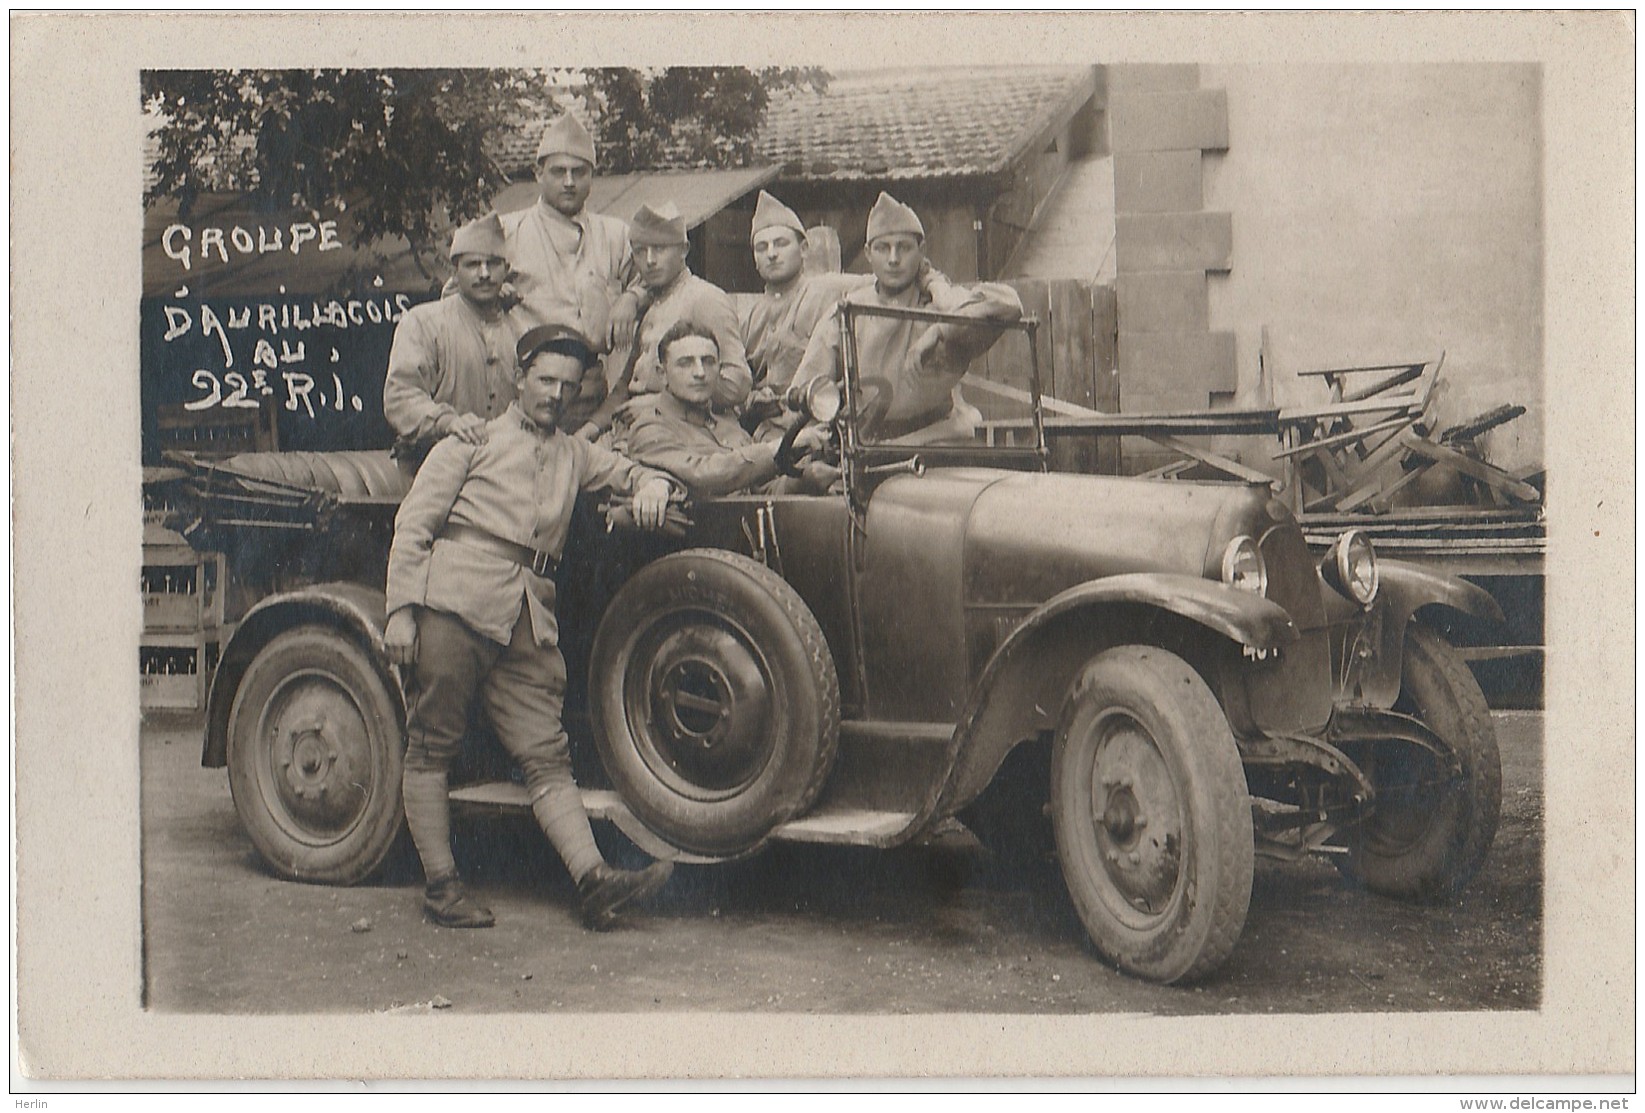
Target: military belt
539 562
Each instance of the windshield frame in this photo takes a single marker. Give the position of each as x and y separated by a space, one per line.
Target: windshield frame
862 459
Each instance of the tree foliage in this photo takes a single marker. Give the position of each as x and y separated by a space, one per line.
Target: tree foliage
685 115
406 150
398 148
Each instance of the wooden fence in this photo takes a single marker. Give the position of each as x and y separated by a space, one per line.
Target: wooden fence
1078 363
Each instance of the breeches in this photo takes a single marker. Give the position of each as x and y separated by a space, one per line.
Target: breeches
521 685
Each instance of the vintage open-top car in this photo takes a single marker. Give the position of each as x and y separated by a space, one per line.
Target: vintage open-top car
855 667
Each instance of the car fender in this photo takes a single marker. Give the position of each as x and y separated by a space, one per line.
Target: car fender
1022 688
1407 588
356 610
1405 591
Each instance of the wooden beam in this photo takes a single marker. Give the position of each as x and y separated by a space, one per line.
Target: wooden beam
1393 423
1358 477
1305 414
1381 501
1212 459
1493 477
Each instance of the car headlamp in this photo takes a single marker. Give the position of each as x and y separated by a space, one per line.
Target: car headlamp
1243 566
1351 567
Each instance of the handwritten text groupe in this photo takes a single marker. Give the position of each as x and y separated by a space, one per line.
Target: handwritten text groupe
216 244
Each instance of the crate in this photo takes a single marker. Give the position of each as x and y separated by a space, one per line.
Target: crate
184 595
175 668
182 589
218 432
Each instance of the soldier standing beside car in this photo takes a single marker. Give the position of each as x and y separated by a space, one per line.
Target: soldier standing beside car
471 604
451 367
919 366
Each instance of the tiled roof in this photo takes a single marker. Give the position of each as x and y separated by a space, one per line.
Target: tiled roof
903 124
893 124
516 151
880 124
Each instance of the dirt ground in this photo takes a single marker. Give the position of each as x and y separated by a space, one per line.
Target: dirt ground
797 929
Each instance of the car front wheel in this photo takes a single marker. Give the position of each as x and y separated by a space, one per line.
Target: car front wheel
315 753
1431 827
1152 815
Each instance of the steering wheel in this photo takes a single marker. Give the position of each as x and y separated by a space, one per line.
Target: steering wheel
789 460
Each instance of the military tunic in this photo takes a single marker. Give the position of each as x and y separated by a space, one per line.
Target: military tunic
571 270
568 270
691 298
778 325
486 629
710 453
520 486
925 390
448 359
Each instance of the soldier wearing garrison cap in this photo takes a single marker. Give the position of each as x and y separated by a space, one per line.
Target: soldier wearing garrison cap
451 367
921 364
778 324
471 618
571 264
658 238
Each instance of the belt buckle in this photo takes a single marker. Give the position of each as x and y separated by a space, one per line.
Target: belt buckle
542 563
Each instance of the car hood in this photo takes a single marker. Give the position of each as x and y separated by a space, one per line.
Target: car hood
1027 536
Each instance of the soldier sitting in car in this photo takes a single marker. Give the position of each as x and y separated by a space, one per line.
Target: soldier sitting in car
913 367
679 432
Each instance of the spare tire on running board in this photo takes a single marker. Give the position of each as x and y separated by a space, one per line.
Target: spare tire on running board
715 701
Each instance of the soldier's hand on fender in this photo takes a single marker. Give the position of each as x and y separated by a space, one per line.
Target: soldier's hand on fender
469 428
651 504
400 637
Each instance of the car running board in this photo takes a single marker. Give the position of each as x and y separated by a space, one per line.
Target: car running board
825 825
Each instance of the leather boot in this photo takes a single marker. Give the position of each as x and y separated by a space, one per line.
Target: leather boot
448 905
606 891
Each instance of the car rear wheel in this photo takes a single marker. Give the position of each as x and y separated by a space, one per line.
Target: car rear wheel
1152 815
715 700
315 753
1431 828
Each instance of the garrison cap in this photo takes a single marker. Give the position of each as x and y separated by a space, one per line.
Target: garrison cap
772 213
890 215
480 237
663 226
566 136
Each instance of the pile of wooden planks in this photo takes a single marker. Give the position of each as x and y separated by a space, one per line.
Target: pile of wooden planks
1372 441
